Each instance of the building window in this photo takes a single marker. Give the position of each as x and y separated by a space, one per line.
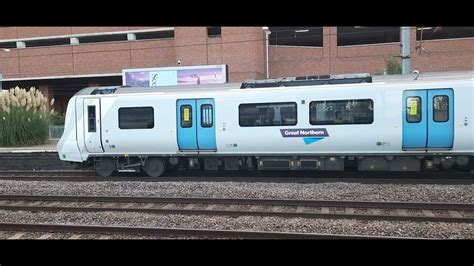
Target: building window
341 112
103 38
206 115
413 109
367 35
8 45
186 116
136 118
214 31
267 114
296 36
437 33
154 35
441 108
91 118
48 42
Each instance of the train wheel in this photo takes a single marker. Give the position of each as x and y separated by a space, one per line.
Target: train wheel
154 167
105 167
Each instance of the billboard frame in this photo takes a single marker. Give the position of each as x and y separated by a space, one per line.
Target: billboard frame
223 67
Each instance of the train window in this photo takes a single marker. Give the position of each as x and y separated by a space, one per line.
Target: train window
267 114
341 112
206 115
441 108
186 116
91 118
136 118
413 109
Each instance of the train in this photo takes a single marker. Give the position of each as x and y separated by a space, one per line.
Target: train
330 123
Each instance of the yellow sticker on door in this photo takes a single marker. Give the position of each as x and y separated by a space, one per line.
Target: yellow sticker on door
413 107
186 114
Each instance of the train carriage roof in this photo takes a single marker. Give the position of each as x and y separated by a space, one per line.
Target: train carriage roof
287 82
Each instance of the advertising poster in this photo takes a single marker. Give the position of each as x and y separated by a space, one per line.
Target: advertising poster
170 76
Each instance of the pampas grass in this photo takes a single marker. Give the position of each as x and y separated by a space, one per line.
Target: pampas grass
24 117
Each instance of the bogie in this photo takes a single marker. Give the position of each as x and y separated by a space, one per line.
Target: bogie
105 166
154 166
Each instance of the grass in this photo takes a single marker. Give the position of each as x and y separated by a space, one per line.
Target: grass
24 118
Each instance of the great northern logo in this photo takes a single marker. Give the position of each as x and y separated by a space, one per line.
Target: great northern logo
309 135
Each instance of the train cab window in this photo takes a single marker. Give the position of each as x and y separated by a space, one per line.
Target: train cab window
206 115
186 116
413 109
91 118
136 118
267 114
341 112
441 108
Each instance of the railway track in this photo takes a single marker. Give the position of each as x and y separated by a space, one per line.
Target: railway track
361 210
393 211
275 177
83 230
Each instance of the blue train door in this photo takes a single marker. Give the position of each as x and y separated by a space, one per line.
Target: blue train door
428 120
440 118
415 127
195 124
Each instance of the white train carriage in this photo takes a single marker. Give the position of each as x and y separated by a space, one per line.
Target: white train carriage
383 126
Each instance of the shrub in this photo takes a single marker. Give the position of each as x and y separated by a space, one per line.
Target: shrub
57 119
24 117
393 66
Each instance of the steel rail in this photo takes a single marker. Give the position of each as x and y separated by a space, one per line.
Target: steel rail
91 177
236 213
248 201
181 232
21 205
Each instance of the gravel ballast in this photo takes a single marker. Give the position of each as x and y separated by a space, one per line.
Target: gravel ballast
321 226
317 191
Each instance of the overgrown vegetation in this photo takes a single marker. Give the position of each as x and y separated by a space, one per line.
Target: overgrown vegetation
24 117
393 66
57 119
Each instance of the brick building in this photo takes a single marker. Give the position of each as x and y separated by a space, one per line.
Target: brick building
62 60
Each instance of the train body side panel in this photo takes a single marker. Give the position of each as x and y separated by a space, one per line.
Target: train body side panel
80 120
382 137
161 139
464 118
67 146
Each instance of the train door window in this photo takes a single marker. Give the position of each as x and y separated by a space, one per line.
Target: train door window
186 116
91 118
413 109
136 118
267 114
441 108
341 112
206 115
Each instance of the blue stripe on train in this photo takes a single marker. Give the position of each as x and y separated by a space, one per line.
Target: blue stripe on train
311 140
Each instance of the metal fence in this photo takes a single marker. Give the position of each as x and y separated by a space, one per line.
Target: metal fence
55 132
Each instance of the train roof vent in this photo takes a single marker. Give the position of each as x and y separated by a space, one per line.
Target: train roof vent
104 90
308 81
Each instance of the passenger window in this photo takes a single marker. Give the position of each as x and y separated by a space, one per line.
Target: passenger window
91 118
136 118
206 115
341 112
267 114
441 108
186 116
413 109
